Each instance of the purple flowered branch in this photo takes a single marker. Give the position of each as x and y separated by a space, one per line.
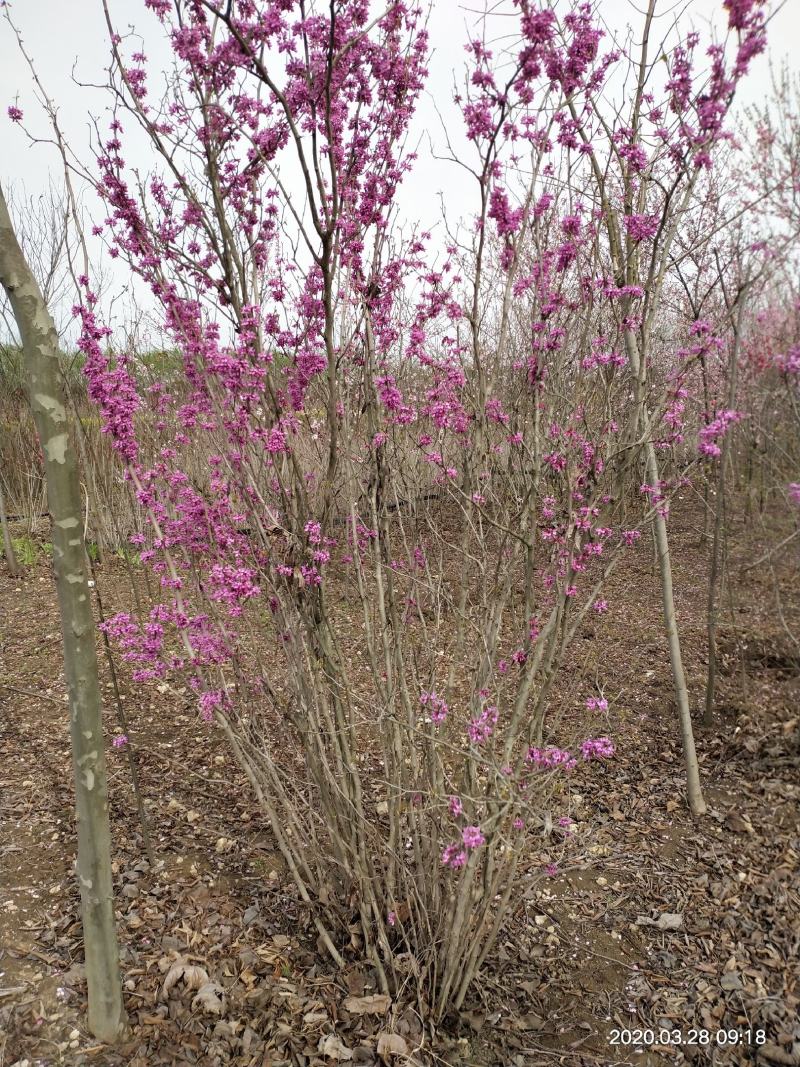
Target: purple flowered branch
314 390
350 182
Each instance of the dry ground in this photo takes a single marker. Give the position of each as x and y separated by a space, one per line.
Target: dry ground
587 953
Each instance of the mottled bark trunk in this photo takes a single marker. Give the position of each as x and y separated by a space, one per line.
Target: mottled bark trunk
46 395
8 547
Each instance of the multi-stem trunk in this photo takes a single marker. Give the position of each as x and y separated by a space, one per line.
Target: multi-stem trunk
48 404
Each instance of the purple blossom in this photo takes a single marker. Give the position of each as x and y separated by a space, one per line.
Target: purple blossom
641 227
110 384
507 220
715 430
437 706
571 225
472 837
635 155
210 702
551 758
314 532
597 748
789 362
454 856
276 442
597 704
481 728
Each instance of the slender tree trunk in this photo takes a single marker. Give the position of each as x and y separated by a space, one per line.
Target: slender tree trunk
8 547
48 403
716 545
694 792
712 610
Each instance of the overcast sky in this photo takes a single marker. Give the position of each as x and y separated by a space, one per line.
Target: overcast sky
68 41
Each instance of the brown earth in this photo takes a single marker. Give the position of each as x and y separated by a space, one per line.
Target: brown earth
591 969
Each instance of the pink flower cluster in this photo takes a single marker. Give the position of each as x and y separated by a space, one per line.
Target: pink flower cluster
436 705
110 384
482 727
597 748
641 227
551 757
715 430
597 704
455 856
789 362
505 218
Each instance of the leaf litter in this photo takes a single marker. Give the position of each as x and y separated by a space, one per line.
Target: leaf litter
651 920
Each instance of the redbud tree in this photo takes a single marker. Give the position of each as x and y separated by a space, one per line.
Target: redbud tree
387 483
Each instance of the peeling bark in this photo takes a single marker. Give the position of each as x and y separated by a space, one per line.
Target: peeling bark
45 391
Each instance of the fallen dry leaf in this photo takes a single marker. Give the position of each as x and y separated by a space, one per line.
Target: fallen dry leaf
377 1004
669 920
195 977
332 1047
211 998
391 1045
314 1018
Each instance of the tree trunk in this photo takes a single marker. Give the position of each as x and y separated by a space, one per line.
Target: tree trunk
694 792
8 547
716 545
712 610
48 403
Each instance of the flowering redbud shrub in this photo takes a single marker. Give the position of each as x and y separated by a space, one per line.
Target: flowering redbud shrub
381 496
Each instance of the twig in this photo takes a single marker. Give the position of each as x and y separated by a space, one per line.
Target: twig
771 551
30 693
123 721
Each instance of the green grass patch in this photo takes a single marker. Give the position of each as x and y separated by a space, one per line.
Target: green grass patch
26 550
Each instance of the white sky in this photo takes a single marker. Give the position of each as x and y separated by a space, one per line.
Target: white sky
68 38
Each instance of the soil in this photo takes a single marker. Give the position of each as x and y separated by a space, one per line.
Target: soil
651 929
